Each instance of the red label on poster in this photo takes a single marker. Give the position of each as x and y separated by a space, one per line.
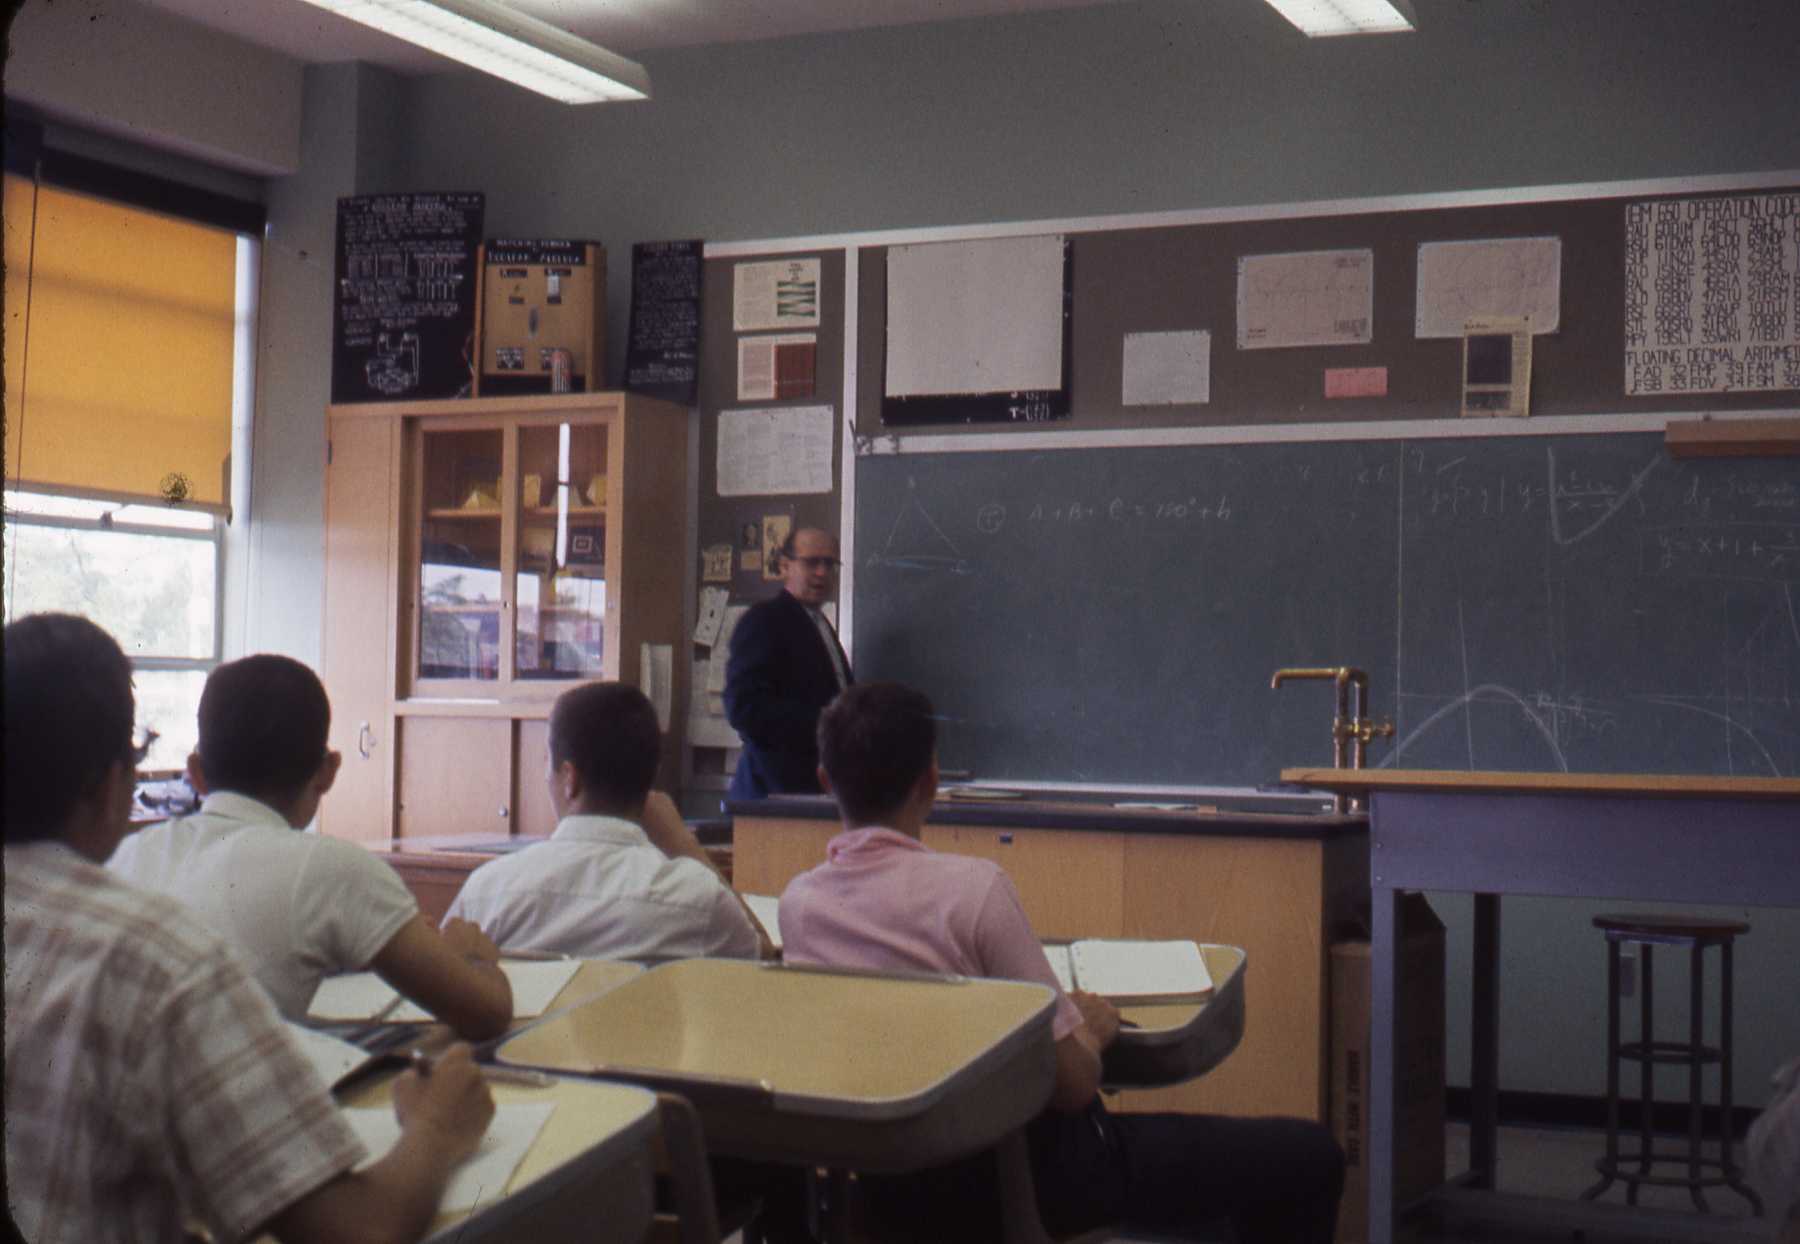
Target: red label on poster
1356 382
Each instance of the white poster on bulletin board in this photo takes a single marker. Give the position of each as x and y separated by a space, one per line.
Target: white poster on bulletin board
766 453
1307 298
1511 277
1712 294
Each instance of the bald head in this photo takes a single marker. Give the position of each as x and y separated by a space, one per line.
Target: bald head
809 566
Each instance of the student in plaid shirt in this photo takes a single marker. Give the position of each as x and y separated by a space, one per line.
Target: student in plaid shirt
150 1084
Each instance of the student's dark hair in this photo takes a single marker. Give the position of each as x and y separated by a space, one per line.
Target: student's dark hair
68 719
264 721
875 740
608 730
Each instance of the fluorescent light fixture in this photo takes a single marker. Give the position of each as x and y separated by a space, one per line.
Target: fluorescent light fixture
510 45
1347 17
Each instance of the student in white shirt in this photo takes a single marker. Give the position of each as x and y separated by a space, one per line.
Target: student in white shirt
150 1087
298 906
622 877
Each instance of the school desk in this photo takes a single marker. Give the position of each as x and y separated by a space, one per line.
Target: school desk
1638 837
1276 883
588 1176
1172 1043
816 1067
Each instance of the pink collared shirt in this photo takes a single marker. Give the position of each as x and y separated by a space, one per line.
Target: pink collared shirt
886 902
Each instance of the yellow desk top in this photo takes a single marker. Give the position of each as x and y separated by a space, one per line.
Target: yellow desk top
822 1042
1501 782
596 1126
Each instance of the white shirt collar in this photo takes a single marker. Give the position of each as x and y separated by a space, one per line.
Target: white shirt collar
232 806
609 829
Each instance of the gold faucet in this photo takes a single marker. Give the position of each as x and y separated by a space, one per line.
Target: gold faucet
1351 729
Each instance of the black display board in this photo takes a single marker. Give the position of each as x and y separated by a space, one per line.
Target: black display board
1532 603
403 314
663 353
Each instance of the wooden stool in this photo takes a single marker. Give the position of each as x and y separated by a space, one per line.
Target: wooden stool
1649 931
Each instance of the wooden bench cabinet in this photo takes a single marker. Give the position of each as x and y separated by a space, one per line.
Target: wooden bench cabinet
482 556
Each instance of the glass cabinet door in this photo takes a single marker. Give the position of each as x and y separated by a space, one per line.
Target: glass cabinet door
460 605
560 581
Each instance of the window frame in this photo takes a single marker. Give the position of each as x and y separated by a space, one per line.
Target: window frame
213 534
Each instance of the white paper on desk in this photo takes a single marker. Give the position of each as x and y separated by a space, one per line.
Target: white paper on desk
535 983
767 911
1116 968
721 653
1166 369
1059 963
332 1057
483 1177
364 995
775 452
712 615
1463 281
1306 298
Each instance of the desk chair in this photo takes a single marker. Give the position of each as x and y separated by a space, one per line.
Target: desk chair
690 1215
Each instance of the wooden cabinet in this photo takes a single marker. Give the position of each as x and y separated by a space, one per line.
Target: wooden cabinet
481 557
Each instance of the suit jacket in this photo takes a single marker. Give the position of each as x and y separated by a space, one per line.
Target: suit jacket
779 679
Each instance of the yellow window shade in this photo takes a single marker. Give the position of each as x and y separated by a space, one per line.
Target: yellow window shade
122 378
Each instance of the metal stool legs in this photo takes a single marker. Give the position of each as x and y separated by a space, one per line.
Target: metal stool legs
1647 1051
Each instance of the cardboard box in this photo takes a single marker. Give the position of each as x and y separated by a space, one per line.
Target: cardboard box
1419 1162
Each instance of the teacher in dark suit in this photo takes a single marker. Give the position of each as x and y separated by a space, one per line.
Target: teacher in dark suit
786 666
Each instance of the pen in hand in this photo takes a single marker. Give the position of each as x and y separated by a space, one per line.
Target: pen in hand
421 1063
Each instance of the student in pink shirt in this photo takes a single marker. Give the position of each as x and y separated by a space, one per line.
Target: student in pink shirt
884 901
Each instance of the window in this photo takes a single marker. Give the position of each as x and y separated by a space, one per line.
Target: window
129 343
147 573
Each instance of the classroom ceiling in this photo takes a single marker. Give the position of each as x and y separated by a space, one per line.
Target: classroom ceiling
628 27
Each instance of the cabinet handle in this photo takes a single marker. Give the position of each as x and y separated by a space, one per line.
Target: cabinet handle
502 812
365 740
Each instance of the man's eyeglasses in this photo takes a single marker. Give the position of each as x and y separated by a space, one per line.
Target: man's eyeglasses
829 564
142 740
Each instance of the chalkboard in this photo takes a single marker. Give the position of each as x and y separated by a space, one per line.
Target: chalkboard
403 323
1113 616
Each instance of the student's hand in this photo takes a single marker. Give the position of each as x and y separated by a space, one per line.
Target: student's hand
466 939
1100 1016
451 1105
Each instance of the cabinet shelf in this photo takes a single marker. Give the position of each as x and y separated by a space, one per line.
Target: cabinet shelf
575 511
456 512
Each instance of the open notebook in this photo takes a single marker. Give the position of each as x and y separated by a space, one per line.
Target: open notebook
1132 972
767 911
482 1177
364 997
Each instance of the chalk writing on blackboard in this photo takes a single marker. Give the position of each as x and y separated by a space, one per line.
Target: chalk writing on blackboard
1712 294
405 297
663 350
915 541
